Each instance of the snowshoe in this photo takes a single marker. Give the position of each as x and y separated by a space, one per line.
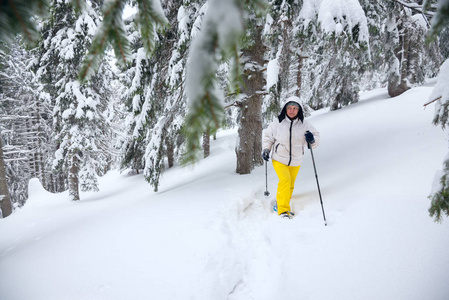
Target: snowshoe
287 214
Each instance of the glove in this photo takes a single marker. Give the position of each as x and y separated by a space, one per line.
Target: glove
309 137
266 154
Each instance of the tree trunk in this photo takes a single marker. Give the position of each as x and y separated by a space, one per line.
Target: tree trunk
206 143
5 200
399 69
170 152
40 157
249 147
73 177
299 75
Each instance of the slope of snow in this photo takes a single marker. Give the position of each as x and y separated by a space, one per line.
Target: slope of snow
209 233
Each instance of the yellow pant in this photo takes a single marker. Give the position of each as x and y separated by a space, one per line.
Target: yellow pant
287 176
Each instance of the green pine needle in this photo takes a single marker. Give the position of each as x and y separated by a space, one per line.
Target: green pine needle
17 17
112 31
149 19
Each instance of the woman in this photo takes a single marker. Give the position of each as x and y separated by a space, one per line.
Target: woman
287 137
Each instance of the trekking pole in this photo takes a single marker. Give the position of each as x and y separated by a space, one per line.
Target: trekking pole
266 193
317 183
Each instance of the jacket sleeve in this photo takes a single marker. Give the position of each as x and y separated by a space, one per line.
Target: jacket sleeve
316 134
268 137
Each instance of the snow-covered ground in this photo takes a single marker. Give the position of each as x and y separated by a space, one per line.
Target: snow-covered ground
209 234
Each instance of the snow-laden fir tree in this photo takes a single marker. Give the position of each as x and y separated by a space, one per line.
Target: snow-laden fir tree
440 190
154 93
134 81
78 106
373 74
285 52
112 32
165 141
410 58
337 41
440 93
218 41
26 121
5 200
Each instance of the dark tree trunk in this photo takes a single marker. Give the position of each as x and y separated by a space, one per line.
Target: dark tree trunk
170 153
249 147
73 177
397 80
206 143
4 192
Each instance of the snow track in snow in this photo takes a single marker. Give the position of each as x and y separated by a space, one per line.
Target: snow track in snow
260 243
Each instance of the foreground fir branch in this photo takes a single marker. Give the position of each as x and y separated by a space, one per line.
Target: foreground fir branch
112 31
18 17
219 39
440 199
440 19
440 191
149 17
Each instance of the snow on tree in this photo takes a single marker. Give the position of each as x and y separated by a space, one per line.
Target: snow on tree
165 141
26 124
218 40
155 95
285 54
336 33
440 189
134 82
77 115
149 17
373 74
410 58
253 91
5 201
441 19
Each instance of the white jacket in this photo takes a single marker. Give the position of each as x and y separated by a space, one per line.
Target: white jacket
286 140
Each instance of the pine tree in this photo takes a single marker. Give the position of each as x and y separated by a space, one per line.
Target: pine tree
78 123
112 32
249 147
5 201
441 19
285 52
440 191
155 96
26 122
374 71
134 81
410 59
218 41
164 141
337 40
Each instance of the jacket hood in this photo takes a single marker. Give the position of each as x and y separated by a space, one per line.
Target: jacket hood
289 100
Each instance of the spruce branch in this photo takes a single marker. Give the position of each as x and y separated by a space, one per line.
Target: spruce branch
206 114
440 199
149 18
430 102
17 17
112 31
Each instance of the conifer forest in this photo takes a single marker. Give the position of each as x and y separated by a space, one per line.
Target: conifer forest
87 86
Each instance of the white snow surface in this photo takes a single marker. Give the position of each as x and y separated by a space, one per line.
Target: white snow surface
209 233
